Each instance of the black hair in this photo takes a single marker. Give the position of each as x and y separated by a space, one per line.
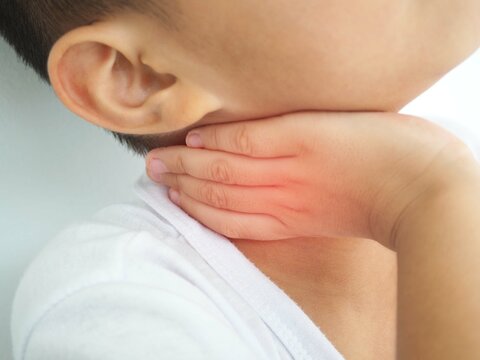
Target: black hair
32 27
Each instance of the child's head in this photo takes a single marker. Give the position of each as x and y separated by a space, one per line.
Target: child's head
144 67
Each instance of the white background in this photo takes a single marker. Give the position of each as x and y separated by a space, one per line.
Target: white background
55 169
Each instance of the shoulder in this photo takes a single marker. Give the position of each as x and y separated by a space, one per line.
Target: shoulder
114 277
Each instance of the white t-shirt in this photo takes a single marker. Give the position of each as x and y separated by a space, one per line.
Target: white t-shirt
143 280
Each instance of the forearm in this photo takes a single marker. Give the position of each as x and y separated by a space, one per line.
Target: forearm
438 247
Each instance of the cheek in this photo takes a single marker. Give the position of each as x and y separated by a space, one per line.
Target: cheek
272 61
250 59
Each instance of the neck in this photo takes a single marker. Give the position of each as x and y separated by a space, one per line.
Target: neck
346 286
329 267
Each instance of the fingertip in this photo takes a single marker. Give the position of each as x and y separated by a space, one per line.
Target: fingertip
174 196
152 155
194 140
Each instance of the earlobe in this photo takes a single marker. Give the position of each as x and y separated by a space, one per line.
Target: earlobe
102 78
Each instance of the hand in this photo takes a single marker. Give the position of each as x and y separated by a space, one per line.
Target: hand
308 174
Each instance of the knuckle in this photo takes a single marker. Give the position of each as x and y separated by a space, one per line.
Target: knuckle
282 230
215 136
179 182
230 230
220 172
214 195
179 164
284 198
242 140
292 207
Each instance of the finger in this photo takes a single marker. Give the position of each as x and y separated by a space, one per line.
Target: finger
231 224
270 137
223 167
231 197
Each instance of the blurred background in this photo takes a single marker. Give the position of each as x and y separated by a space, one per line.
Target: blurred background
55 169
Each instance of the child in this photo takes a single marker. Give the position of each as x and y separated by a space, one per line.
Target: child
145 280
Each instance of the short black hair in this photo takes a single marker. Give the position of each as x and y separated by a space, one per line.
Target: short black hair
32 27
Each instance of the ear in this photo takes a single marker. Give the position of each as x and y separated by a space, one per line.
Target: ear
99 72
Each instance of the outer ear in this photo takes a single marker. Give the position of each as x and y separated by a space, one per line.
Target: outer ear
97 71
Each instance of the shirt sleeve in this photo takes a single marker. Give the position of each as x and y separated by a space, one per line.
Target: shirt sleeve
120 321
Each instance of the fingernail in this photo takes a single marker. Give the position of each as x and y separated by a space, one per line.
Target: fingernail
174 196
157 169
194 140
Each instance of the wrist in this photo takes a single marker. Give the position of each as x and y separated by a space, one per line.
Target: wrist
452 175
438 214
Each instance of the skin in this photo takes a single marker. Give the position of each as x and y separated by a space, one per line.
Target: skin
355 181
417 194
231 61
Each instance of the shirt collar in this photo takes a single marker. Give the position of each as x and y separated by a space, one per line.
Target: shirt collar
290 324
